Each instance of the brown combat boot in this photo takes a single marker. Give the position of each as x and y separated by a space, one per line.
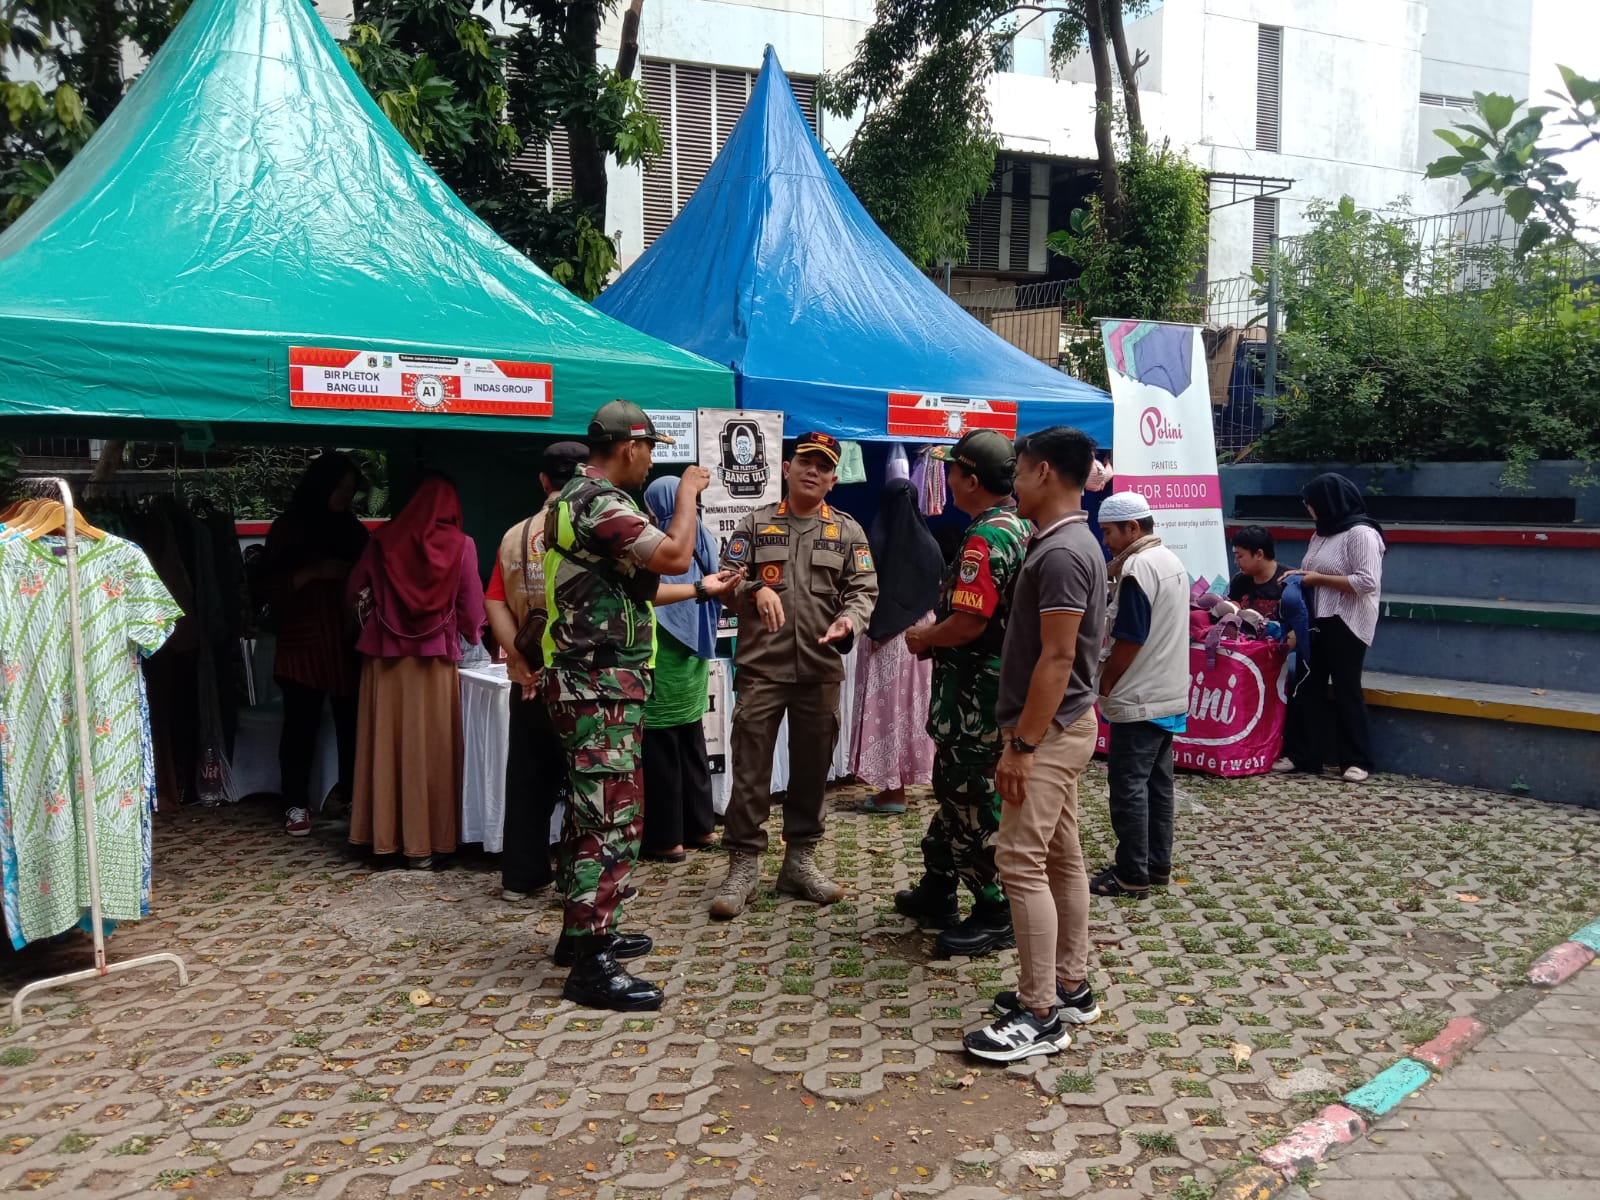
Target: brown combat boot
803 878
744 876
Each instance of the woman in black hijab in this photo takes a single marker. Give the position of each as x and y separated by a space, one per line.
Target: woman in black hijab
310 551
1341 577
890 748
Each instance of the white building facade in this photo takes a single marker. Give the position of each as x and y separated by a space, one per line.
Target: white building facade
1340 97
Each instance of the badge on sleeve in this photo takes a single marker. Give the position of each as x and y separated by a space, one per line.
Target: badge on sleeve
864 558
772 573
738 548
969 569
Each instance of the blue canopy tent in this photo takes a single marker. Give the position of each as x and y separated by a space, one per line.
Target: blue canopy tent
774 268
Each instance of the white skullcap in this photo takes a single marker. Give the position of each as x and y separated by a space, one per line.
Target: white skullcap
1124 506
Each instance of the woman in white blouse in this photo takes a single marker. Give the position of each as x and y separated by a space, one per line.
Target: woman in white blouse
1343 570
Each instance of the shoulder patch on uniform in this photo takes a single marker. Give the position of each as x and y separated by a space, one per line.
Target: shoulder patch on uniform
738 548
864 558
969 568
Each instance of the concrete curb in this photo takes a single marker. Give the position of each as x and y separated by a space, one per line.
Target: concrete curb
1341 1124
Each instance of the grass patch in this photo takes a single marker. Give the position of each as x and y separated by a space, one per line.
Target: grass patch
1161 1143
1074 1082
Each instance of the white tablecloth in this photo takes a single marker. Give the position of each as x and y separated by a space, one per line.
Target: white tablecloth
255 755
485 713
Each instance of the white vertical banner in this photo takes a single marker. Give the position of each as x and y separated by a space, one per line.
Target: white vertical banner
1162 441
743 450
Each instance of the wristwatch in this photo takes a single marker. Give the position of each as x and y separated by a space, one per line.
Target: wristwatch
1022 747
756 585
700 594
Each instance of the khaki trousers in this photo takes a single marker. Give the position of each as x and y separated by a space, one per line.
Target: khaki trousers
1041 865
813 710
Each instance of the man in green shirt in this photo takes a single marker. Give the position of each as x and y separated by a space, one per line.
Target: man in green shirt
965 643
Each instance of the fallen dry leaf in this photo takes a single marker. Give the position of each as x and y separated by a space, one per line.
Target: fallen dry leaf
1467 897
420 997
1241 1053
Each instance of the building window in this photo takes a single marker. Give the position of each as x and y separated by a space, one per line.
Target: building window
698 107
1265 230
549 162
1439 100
1007 224
1269 86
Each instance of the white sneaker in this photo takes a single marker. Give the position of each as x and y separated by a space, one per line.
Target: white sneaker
511 897
1018 1034
1283 766
1356 775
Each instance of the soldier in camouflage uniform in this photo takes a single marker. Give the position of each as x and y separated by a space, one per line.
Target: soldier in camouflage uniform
965 644
602 567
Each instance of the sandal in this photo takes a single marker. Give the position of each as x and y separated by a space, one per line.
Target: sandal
872 808
1107 884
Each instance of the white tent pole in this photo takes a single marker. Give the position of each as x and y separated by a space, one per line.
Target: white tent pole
85 790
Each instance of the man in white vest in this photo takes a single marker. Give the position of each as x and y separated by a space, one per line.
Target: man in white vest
1144 693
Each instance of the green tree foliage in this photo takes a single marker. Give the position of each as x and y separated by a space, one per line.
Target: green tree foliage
925 149
1145 272
74 49
466 100
1397 350
1501 153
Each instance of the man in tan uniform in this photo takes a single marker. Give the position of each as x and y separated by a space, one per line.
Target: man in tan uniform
810 588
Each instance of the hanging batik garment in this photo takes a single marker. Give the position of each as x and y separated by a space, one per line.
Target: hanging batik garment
126 613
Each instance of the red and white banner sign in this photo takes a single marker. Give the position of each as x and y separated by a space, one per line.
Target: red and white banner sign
396 381
920 415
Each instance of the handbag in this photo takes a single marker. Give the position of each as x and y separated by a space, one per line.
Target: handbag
529 642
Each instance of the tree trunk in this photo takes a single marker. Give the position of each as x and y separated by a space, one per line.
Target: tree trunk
101 86
1127 68
1104 137
581 37
105 468
628 52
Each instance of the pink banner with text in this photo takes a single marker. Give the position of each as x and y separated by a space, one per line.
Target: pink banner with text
1236 710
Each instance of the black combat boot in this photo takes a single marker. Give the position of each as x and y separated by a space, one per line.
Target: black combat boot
598 980
932 903
623 946
987 930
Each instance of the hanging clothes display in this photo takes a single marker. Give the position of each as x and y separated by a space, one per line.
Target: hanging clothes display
127 613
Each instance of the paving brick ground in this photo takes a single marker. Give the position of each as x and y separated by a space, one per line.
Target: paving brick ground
1316 932
1517 1119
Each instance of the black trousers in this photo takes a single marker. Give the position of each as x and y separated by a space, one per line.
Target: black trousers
677 788
1139 774
1327 699
297 746
536 781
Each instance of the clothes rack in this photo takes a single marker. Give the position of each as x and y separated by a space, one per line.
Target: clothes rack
87 791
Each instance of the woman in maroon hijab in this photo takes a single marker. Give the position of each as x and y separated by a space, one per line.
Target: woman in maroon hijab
417 593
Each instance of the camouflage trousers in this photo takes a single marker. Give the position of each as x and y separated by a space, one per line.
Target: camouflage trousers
605 809
959 844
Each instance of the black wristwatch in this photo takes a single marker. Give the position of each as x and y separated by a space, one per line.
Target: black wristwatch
756 585
1022 747
700 594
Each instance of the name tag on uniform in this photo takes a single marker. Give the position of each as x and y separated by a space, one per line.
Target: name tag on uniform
864 558
837 547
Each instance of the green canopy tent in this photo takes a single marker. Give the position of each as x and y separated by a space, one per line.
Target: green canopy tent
247 250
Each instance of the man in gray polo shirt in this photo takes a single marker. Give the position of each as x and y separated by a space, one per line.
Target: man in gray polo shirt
1046 715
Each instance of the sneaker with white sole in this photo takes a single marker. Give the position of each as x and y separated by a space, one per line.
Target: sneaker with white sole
1075 1008
1356 775
1283 766
1019 1034
297 822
